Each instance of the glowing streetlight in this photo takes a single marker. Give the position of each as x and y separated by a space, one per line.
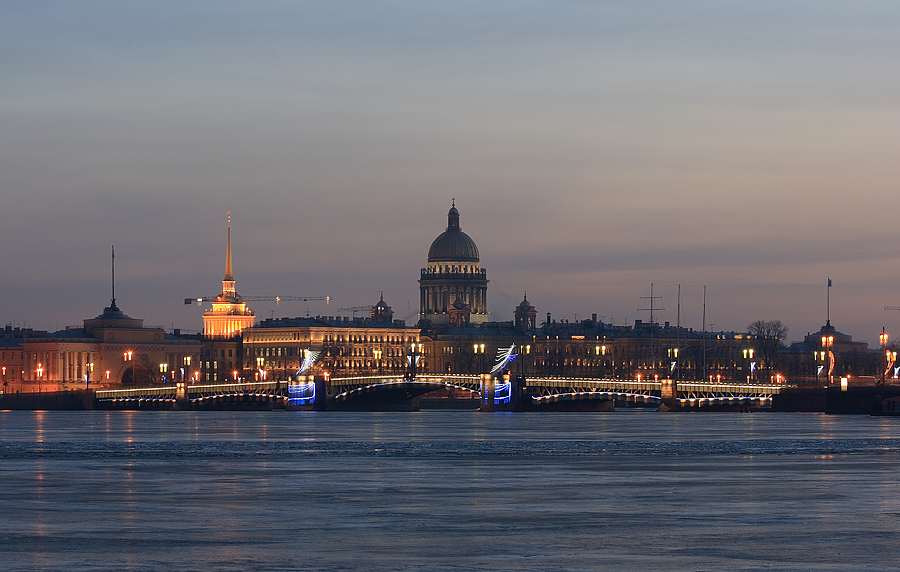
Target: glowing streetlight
884 340
129 356
479 349
377 354
828 343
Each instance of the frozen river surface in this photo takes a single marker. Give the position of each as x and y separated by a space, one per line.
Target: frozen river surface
448 491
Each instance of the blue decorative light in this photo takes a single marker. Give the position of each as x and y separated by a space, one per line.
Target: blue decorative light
309 358
502 393
302 393
504 358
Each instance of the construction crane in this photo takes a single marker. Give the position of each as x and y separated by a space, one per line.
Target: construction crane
355 309
275 299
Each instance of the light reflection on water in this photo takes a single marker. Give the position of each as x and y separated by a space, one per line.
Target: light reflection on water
447 491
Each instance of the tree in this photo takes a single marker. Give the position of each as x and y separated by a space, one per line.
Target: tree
769 338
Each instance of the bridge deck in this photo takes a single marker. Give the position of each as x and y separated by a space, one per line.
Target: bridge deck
538 387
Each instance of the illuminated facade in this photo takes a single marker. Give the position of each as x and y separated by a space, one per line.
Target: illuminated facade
453 287
229 315
274 349
223 353
111 350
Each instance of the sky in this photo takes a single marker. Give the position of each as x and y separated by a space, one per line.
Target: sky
593 149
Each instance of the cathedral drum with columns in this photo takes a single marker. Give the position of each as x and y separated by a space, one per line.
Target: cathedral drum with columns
453 288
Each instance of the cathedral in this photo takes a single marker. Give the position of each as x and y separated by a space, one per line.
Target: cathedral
453 288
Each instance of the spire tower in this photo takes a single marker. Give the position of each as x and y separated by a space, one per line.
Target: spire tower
229 314
228 273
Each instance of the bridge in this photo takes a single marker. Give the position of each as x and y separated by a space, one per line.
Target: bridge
398 392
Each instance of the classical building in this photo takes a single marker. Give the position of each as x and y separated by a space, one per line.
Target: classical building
229 315
111 350
525 315
222 357
275 348
829 354
453 288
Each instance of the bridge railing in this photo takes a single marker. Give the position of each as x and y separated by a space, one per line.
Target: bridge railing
166 392
688 389
170 391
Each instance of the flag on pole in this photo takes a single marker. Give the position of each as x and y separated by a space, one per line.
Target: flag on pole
829 282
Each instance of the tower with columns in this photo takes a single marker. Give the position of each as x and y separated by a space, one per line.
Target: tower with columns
229 315
453 285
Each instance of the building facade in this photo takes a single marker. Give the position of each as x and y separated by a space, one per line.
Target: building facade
275 348
222 357
111 350
453 287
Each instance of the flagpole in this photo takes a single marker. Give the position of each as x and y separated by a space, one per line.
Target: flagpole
828 340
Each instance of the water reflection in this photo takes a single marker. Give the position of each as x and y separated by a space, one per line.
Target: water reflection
448 490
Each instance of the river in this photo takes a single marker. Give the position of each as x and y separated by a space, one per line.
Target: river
447 491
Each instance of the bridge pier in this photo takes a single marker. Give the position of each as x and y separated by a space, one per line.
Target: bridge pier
181 397
487 392
322 385
669 394
517 398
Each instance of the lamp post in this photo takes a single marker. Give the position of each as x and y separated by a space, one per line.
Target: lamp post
524 363
377 354
129 356
884 340
748 355
185 372
40 376
479 349
827 343
413 359
260 366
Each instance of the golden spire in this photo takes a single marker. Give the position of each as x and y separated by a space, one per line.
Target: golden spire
228 273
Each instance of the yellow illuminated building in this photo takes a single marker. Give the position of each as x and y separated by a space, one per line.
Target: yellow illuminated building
229 315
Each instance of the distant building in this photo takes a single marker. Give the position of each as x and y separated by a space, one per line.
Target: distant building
111 350
453 287
223 355
809 361
274 349
229 315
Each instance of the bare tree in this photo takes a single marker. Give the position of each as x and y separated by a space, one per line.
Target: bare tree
769 338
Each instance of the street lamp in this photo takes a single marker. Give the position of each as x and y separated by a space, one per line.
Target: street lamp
413 360
377 354
129 356
884 340
185 371
748 355
40 376
524 363
479 349
827 343
260 365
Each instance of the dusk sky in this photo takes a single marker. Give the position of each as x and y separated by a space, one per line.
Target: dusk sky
593 148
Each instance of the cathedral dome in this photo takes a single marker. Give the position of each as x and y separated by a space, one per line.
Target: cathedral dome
453 244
